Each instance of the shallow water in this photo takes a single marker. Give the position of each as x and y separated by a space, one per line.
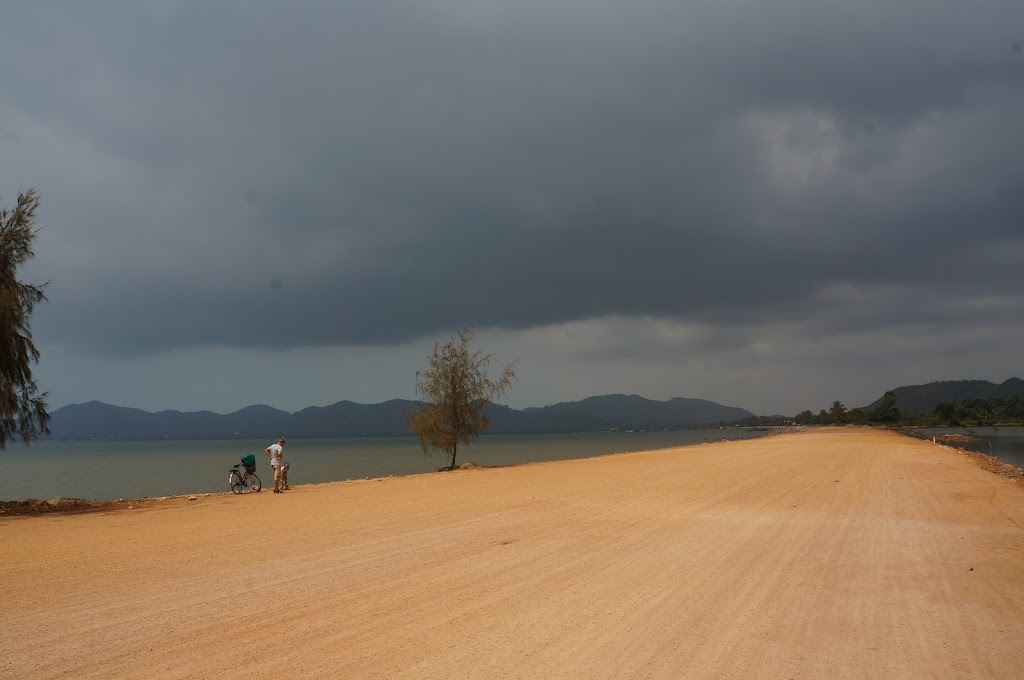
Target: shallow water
1005 443
127 469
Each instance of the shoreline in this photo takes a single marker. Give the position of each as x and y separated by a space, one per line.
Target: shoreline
67 504
32 507
838 552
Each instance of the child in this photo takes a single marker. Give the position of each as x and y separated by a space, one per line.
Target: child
284 475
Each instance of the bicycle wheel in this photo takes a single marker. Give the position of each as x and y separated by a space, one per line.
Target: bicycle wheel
235 482
255 485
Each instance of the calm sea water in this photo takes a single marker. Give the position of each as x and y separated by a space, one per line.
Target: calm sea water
105 470
1005 443
119 469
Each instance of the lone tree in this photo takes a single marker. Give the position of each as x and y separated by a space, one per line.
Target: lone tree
22 412
455 392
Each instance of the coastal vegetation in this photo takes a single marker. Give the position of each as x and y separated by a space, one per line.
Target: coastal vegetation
23 413
455 392
910 406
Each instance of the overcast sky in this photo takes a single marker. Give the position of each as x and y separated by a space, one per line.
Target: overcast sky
770 205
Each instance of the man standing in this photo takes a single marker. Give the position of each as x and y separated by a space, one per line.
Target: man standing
276 453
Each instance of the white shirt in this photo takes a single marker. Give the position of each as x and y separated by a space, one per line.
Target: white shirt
276 451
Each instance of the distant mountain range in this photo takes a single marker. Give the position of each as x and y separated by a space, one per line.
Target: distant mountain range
924 398
96 420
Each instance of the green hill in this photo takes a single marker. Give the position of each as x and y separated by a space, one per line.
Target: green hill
924 398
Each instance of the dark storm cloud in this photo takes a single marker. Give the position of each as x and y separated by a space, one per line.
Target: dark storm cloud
254 174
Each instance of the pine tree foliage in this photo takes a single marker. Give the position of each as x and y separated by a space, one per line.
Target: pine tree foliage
454 393
22 411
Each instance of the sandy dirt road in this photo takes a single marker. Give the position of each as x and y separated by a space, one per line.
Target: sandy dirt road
825 554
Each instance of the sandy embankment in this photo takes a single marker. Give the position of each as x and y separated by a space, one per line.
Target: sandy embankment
825 554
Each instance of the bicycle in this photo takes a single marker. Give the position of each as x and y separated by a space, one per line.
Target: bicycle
245 479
